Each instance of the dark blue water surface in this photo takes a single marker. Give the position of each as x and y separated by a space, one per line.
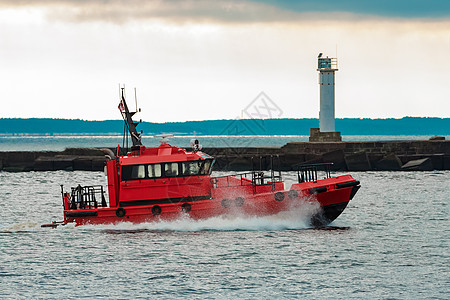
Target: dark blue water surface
392 242
59 143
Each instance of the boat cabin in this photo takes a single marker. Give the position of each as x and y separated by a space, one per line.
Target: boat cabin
164 174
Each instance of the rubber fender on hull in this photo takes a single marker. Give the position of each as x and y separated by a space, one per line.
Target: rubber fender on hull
186 207
120 212
226 203
293 194
156 210
279 196
239 201
317 190
347 184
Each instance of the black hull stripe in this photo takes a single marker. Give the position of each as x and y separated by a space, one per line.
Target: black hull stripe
162 201
317 190
75 214
347 184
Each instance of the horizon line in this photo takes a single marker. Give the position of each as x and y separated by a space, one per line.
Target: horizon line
207 120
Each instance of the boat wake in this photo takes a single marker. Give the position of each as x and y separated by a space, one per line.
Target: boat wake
297 218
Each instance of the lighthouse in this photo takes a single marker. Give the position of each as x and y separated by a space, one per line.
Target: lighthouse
326 132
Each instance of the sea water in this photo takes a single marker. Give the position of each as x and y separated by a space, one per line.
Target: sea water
392 242
60 142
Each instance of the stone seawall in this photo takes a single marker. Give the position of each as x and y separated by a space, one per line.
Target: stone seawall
346 156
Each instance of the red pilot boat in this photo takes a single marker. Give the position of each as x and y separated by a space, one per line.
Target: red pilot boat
167 182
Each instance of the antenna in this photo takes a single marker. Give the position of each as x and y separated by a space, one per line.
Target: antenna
135 99
129 123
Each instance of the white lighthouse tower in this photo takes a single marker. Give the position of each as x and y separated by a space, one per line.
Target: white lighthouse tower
326 67
326 132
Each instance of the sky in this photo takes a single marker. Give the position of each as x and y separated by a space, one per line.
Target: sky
203 60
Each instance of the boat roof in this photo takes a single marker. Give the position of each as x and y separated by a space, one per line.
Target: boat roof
163 153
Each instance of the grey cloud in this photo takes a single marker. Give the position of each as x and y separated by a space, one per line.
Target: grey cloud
118 11
227 11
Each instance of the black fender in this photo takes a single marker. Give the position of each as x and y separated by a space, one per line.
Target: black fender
186 207
292 194
120 212
317 190
347 184
156 210
279 196
226 203
239 201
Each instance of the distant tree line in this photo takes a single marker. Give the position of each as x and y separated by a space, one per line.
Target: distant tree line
347 126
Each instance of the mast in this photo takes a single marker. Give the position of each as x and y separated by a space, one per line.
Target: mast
127 117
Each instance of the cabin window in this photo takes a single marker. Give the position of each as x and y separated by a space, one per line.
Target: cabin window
198 167
171 169
126 172
191 168
139 171
154 170
133 172
205 167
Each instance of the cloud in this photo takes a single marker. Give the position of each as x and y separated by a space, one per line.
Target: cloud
120 11
388 66
231 11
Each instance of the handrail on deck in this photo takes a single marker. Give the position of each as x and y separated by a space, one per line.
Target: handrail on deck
257 179
308 172
83 197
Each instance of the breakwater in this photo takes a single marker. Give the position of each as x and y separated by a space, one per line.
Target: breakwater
433 154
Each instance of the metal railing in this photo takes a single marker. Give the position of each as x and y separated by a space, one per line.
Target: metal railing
327 63
254 178
86 197
307 173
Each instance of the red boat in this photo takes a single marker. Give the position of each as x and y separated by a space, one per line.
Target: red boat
167 182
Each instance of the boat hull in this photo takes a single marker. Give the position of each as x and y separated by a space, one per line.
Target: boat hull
324 200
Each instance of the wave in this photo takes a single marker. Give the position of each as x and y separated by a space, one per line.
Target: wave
297 217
